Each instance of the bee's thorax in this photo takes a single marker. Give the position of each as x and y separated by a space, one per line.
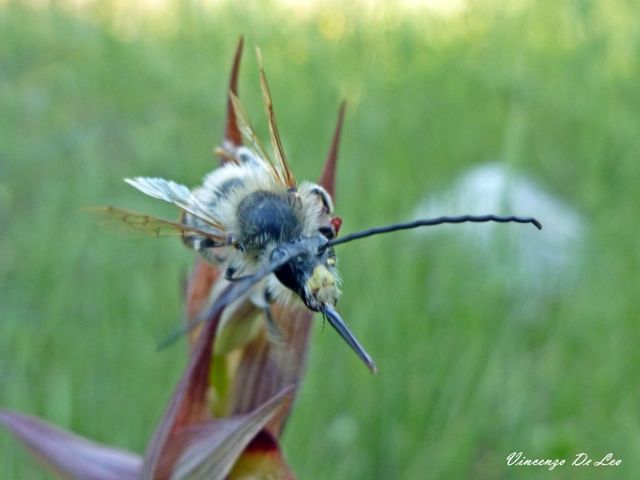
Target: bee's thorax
265 217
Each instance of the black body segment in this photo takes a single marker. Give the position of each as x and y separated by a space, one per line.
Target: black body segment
266 217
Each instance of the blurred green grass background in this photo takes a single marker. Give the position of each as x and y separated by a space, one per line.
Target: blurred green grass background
91 92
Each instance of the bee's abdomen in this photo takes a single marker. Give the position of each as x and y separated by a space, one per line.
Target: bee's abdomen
264 217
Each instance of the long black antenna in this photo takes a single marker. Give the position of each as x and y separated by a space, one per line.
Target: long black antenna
430 222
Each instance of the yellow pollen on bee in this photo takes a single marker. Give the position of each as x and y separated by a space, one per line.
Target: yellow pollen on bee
321 282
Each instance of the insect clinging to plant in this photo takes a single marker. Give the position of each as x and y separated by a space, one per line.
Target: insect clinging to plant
273 237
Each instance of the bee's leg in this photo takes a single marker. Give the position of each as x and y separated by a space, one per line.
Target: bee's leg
274 332
207 248
229 274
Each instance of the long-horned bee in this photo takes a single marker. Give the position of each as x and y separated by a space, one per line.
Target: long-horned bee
273 237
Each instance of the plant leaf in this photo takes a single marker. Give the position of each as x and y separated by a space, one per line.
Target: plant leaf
212 449
70 455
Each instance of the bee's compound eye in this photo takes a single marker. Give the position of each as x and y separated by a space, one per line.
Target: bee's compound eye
324 198
327 232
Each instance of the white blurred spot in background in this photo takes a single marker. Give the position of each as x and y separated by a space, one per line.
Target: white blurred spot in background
531 263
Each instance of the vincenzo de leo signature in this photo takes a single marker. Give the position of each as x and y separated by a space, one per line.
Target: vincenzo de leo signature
518 459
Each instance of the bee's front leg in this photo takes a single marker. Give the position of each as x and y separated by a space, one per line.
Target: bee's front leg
274 332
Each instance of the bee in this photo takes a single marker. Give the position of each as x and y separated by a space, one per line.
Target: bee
273 237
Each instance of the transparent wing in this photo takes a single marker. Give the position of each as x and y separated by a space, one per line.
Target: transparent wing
276 143
174 193
250 136
156 187
149 225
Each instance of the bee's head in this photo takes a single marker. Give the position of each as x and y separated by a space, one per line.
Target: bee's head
312 275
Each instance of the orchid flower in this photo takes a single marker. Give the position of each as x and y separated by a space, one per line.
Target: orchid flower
229 407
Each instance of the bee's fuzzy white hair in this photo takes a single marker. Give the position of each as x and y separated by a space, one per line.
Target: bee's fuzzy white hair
219 196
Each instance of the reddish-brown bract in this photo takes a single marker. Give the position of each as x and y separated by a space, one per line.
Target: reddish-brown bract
261 371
